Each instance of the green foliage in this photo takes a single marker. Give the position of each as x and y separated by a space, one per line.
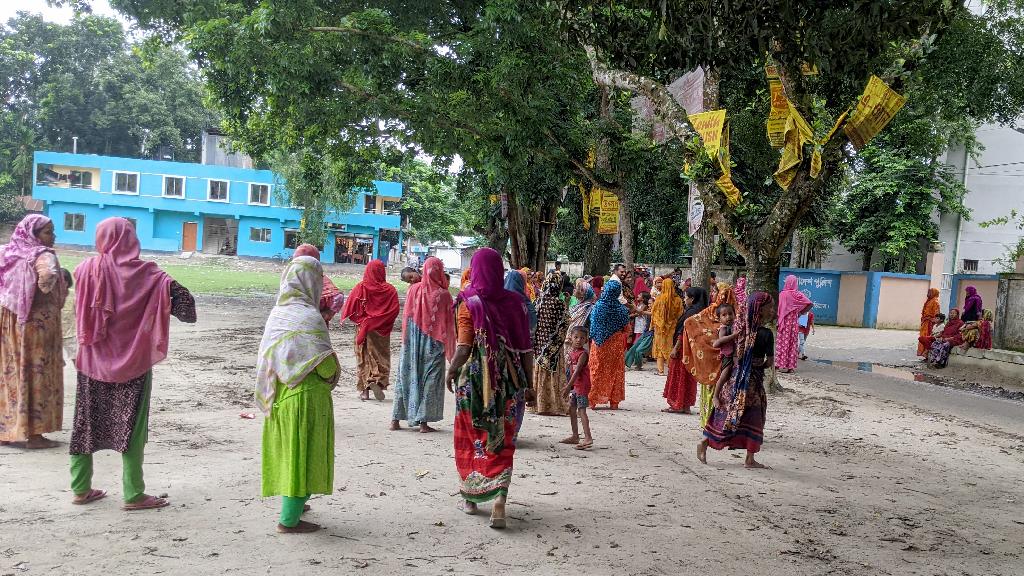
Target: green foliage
900 180
316 182
431 202
86 79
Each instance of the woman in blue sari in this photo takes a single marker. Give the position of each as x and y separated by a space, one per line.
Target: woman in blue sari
428 337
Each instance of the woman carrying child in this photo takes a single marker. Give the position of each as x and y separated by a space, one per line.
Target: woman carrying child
740 403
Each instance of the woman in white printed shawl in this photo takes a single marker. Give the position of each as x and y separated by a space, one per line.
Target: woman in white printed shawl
295 373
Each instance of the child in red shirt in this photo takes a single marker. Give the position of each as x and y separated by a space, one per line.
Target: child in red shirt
578 387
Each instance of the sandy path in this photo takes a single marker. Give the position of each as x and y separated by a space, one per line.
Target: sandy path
862 484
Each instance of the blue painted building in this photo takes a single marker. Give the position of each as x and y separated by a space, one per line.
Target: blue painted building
213 209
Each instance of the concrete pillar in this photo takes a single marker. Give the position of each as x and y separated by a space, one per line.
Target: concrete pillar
933 264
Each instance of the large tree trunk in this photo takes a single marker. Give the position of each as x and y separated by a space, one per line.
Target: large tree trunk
763 273
795 248
597 259
703 250
529 229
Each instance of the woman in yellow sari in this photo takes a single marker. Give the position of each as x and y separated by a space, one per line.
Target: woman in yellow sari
664 314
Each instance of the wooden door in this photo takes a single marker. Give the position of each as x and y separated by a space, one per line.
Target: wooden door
189 231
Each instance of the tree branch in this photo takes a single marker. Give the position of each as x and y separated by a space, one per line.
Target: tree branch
375 35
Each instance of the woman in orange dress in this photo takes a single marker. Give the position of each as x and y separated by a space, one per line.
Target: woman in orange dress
608 323
699 355
928 314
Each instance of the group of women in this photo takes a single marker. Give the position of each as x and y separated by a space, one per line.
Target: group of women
939 334
122 310
504 348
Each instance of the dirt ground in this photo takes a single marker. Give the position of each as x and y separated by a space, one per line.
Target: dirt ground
871 475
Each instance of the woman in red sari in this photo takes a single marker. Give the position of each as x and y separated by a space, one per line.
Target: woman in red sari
680 386
373 305
490 394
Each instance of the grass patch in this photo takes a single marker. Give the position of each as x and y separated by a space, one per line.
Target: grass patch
217 279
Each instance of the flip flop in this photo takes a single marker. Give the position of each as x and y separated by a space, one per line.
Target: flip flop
147 503
90 496
569 440
584 445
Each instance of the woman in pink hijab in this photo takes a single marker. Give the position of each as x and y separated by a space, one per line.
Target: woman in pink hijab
792 303
32 293
123 307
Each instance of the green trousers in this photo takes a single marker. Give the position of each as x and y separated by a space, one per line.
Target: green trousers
291 510
133 485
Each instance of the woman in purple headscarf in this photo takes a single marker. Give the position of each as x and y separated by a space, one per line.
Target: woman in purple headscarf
973 305
32 293
494 347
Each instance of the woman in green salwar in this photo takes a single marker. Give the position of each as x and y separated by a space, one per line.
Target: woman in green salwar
296 371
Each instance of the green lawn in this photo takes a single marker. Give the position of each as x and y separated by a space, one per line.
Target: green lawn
213 278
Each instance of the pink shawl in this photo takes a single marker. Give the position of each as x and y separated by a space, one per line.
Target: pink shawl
429 304
18 276
792 301
123 307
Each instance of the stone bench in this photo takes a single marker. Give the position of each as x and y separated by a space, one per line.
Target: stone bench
1006 362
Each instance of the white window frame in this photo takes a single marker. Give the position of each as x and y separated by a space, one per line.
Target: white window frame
267 186
269 237
113 183
163 186
209 190
73 215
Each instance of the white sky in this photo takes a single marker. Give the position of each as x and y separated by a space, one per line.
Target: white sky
8 8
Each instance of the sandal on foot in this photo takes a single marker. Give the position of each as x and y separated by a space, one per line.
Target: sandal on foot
146 503
89 497
569 440
468 508
584 445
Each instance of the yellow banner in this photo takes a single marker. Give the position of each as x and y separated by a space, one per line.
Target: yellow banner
776 126
732 193
798 133
714 133
608 221
709 126
877 106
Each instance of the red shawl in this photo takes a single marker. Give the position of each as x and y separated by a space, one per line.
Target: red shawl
373 303
429 304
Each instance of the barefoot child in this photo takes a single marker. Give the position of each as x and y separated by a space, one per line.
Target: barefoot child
726 346
805 327
578 388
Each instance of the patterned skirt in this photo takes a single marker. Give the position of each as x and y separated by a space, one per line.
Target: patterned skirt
748 434
485 474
